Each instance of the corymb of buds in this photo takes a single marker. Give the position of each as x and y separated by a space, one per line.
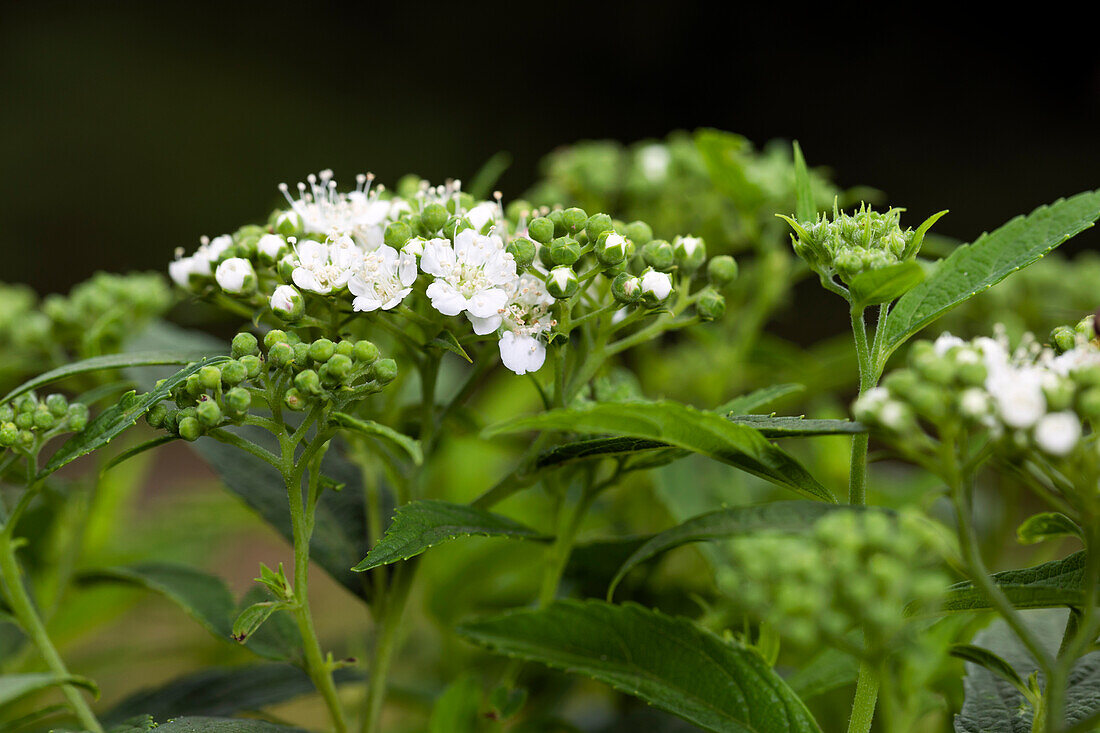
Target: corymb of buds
27 422
853 243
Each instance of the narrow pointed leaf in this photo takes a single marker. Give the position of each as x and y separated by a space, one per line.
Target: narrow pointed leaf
886 284
684 427
16 686
744 404
223 725
803 189
377 430
668 662
422 524
991 662
1045 526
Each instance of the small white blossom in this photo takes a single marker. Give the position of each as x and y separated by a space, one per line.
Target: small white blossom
361 213
1018 395
271 246
654 160
1058 433
324 267
235 275
482 214
382 280
688 245
201 262
287 302
469 275
945 343
974 403
656 285
524 319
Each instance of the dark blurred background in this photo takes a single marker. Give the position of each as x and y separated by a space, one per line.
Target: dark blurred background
130 129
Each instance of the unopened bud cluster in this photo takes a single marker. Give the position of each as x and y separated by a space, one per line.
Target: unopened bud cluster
322 373
27 421
853 570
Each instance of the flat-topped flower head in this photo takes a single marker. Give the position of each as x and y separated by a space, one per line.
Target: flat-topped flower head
361 213
470 275
383 278
322 267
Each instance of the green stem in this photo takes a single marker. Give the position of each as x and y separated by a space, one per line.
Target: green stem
389 625
23 608
857 478
863 706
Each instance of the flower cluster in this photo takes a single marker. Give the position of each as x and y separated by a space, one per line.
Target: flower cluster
323 373
853 570
435 251
1028 397
27 422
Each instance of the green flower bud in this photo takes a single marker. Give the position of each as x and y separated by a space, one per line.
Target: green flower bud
274 336
659 255
574 219
935 368
308 382
1088 376
244 343
25 403
294 400
285 268
384 371
596 225
288 223
208 413
44 419
9 434
1088 404
454 225
345 347
972 373
626 288
24 420
522 251
234 372
1059 394
541 229
57 405
639 233
25 439
156 414
365 352
7 413
237 401
1063 339
557 217
397 233
433 217
322 350
287 303
253 365
341 367
562 282
172 421
281 354
691 253
210 377
301 353
193 385
564 251
611 248
711 305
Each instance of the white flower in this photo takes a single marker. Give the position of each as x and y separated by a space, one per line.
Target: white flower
201 262
482 214
359 213
414 246
287 302
688 245
1077 358
1017 394
469 275
654 160
382 280
521 354
524 319
656 285
974 403
324 267
271 246
180 270
1058 433
946 342
235 275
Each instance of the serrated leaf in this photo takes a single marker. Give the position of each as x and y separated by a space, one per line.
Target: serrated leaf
683 427
100 363
885 284
422 524
16 686
779 516
1045 526
1052 584
744 404
972 268
116 419
805 207
204 597
223 725
782 426
373 429
665 661
449 342
220 692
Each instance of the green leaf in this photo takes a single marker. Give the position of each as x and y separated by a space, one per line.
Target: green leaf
1052 584
970 269
991 662
99 363
885 284
422 524
829 670
253 617
490 172
449 342
747 403
223 725
1045 526
220 692
723 155
668 662
456 710
138 450
805 207
683 427
771 426
204 597
377 430
16 686
116 419
779 516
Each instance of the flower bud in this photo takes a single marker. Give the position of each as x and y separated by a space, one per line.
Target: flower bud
288 223
341 367
711 305
691 253
659 255
574 219
286 268
397 233
656 286
24 420
57 405
244 343
564 251
321 350
611 248
555 217
1059 393
1063 339
294 400
562 282
308 382
155 416
1088 404
275 336
522 251
541 229
7 413
281 354
287 303
9 434
236 276
626 288
44 419
193 386
210 377
365 352
208 413
237 401
25 439
190 429
234 372
638 232
433 217
596 225
271 247
384 371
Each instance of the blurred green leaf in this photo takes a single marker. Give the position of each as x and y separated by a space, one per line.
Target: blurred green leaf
481 187
668 662
456 710
16 686
1045 526
376 430
223 725
744 404
829 670
422 524
991 662
805 207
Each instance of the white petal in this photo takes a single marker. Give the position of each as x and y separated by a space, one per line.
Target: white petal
521 354
446 299
365 304
486 303
306 280
484 326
